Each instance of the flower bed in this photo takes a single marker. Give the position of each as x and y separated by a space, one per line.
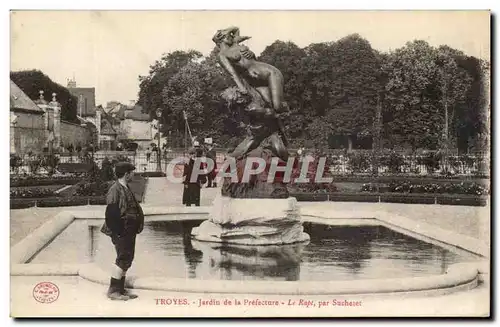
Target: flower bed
469 188
82 194
427 163
406 178
409 198
313 188
35 192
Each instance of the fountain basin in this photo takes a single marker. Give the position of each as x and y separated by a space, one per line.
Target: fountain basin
457 275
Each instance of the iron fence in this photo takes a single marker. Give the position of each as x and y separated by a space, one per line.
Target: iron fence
361 162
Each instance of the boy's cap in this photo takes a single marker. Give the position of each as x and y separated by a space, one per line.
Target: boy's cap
124 167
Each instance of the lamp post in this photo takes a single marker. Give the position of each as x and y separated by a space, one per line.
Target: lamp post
158 115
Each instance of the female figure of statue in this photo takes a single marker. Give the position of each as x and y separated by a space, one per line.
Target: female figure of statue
263 83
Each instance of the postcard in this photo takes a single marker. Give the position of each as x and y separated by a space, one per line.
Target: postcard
250 163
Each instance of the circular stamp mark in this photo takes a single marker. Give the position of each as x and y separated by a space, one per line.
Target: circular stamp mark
46 292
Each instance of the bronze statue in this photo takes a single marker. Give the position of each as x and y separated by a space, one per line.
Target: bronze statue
260 85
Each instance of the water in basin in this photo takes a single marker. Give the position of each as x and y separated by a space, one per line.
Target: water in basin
334 253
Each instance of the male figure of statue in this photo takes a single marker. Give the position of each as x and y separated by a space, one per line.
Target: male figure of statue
124 220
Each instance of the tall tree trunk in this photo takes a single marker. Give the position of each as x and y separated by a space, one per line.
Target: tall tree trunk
349 143
446 123
376 144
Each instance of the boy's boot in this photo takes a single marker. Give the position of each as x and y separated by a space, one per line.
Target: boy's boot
114 291
126 292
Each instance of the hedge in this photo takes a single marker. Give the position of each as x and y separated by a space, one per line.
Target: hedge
408 198
56 202
310 196
447 199
151 174
462 200
75 167
450 199
22 203
410 179
352 197
44 181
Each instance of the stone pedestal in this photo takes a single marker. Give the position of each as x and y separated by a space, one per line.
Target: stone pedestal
252 222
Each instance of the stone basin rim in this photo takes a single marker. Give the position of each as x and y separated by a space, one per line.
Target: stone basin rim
460 276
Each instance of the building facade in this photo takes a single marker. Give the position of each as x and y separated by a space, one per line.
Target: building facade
27 123
36 126
86 99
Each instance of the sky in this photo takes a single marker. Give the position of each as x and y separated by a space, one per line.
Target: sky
108 50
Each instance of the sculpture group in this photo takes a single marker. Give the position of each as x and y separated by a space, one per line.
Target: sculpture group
254 212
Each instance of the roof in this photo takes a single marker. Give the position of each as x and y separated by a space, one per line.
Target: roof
19 100
116 110
86 122
106 128
109 118
135 113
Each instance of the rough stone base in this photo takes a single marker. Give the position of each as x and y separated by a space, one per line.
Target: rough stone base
252 222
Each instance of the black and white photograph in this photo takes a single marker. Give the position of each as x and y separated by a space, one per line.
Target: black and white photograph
250 163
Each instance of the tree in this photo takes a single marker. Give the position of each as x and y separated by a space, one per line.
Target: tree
151 85
196 89
33 81
426 95
342 85
472 120
288 58
411 104
454 82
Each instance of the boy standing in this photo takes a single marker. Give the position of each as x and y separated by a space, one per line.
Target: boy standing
124 220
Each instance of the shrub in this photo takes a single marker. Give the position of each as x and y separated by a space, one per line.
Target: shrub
95 188
394 161
62 202
431 161
34 163
429 188
467 160
358 162
107 172
334 162
151 174
369 187
32 193
75 168
15 162
405 198
309 197
461 200
49 162
312 186
353 197
43 180
120 158
21 203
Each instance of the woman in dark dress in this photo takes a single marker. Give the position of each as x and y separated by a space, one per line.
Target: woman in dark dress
191 194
